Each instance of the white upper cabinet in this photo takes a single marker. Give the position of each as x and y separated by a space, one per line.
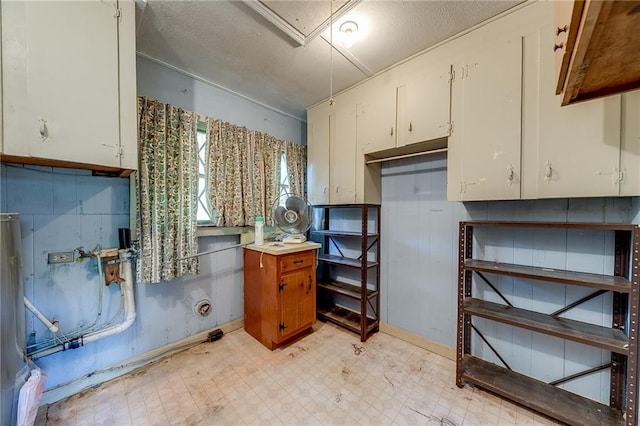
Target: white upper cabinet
318 129
404 106
69 82
571 151
424 105
376 115
630 144
342 151
484 148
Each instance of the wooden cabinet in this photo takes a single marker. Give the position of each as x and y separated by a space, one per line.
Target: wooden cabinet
279 292
69 83
486 114
618 340
601 53
570 151
318 131
349 266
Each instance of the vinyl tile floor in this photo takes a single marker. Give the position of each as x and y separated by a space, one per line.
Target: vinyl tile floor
326 378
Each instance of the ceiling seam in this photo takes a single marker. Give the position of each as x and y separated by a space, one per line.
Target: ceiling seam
351 59
327 22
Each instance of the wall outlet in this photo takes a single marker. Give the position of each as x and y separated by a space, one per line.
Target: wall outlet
60 257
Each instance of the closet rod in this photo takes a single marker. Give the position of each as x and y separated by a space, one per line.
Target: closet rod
397 157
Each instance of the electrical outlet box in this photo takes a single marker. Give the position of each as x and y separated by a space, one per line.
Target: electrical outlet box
60 257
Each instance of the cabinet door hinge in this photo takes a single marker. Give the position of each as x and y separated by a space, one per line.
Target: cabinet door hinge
281 286
452 76
282 326
121 151
117 12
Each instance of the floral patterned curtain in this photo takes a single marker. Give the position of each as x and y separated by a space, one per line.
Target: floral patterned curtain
296 155
167 183
243 169
264 180
227 151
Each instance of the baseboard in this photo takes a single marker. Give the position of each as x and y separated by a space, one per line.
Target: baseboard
422 342
98 377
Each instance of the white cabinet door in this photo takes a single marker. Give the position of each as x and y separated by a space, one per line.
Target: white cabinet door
318 154
574 151
630 144
127 85
69 79
342 175
424 105
486 113
376 115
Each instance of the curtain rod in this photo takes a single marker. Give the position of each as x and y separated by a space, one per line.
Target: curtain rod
398 157
214 251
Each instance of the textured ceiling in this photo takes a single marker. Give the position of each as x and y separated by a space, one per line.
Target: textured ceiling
247 46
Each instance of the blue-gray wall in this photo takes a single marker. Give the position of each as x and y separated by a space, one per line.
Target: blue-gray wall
62 209
419 268
167 85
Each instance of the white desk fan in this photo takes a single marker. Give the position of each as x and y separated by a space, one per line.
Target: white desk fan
293 216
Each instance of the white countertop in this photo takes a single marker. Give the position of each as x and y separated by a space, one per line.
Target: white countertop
277 248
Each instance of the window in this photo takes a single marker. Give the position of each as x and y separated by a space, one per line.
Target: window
204 212
284 178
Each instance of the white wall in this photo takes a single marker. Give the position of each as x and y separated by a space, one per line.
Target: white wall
159 82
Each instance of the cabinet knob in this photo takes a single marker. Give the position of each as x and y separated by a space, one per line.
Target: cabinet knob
44 132
548 171
410 127
510 173
391 132
337 189
324 191
558 46
561 30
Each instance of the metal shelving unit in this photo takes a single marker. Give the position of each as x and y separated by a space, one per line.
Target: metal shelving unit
353 304
620 339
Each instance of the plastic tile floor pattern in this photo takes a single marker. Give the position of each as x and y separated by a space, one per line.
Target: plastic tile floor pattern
327 378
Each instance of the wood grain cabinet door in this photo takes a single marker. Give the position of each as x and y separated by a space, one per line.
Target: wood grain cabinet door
297 301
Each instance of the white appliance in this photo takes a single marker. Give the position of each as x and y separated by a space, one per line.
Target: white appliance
12 311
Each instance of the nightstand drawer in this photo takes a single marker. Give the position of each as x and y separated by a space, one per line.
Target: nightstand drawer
291 262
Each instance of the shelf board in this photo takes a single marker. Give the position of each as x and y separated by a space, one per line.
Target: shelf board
349 290
346 318
345 261
334 233
555 402
604 282
564 225
589 334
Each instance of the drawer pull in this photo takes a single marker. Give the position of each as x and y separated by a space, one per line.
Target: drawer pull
298 261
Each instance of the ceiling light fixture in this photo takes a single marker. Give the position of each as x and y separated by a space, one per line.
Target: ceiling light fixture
348 30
